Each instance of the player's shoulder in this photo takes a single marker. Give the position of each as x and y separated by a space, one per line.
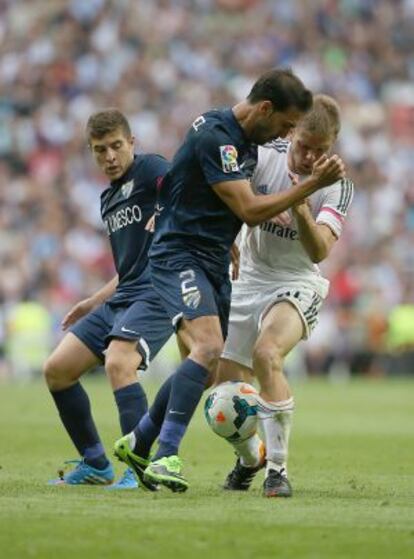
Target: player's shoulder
150 163
273 153
217 117
217 124
278 145
150 158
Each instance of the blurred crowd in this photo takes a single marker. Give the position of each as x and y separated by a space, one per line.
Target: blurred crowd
163 62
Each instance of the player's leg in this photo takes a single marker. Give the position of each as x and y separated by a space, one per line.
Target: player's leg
282 328
189 299
137 337
122 361
229 370
236 364
250 452
148 429
62 371
136 446
203 334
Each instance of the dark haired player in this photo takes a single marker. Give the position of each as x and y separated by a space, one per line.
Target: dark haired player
204 200
113 325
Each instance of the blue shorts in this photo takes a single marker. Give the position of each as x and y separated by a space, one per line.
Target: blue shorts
143 319
189 290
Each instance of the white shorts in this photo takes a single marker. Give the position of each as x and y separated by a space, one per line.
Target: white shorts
249 305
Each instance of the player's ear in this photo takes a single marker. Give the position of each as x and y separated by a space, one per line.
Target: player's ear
132 140
266 107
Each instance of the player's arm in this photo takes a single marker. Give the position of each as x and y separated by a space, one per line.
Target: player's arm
254 209
87 305
316 238
105 292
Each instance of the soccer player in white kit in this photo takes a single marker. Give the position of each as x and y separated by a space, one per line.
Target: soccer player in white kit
277 297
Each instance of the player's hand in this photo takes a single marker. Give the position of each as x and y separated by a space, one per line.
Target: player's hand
282 219
150 225
328 170
80 309
235 262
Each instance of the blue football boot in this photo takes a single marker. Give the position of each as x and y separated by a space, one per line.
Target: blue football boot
126 481
84 474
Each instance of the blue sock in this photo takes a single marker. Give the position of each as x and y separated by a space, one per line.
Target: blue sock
187 386
75 412
132 405
150 424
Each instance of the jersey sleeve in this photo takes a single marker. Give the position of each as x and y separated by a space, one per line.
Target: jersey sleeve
335 205
218 157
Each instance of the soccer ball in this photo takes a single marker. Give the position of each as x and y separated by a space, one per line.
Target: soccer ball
231 410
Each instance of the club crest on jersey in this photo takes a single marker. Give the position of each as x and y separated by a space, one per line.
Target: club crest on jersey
126 188
228 155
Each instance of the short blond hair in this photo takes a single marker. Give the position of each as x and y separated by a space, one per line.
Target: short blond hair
324 118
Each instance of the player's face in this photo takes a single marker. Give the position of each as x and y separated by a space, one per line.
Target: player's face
113 153
306 148
271 124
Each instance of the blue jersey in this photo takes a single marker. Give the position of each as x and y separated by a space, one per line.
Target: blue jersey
126 207
191 218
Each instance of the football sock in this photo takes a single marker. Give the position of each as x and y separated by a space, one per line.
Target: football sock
75 412
149 426
277 421
187 387
95 456
132 405
250 451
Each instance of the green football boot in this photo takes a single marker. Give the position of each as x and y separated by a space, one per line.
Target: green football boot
138 464
167 471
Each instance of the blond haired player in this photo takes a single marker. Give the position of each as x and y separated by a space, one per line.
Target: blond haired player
276 300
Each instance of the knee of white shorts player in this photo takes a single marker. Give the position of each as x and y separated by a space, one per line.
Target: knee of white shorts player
251 451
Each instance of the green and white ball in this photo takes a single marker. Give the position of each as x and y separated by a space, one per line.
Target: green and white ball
231 410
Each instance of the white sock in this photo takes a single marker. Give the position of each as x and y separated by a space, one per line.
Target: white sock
250 451
277 421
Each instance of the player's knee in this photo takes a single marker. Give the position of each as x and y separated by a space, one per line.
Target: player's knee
56 377
114 365
267 358
208 352
121 366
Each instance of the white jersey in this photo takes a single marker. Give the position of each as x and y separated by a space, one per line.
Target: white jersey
273 254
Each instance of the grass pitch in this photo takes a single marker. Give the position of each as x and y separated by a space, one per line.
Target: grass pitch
351 465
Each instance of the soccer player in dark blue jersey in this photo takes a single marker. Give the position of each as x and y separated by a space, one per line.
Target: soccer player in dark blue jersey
204 199
113 325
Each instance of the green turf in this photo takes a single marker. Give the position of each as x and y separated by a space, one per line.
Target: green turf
352 468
